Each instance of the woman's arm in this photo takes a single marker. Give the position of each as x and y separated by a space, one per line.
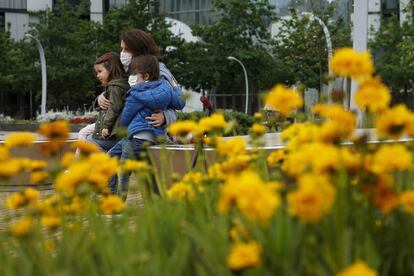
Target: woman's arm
102 102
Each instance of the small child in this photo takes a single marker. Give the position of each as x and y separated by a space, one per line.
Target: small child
147 94
109 71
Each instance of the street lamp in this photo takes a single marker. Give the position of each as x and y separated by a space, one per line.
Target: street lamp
245 77
43 67
325 29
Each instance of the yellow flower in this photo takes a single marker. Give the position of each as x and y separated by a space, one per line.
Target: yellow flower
182 128
385 198
67 159
314 157
231 147
258 129
75 206
407 201
38 177
4 153
358 269
350 159
284 100
215 122
57 130
258 116
340 125
182 191
21 227
275 157
25 163
19 139
15 201
112 204
35 165
193 178
68 181
384 160
85 147
255 200
9 168
51 147
312 199
31 195
235 164
373 95
299 134
51 221
347 62
99 181
102 163
215 171
394 122
136 166
244 255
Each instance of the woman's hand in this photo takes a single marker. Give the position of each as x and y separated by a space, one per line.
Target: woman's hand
157 119
103 102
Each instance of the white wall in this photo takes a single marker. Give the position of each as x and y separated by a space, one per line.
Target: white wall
181 30
97 10
17 24
37 5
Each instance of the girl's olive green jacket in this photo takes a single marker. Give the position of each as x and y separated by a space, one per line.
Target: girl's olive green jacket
115 92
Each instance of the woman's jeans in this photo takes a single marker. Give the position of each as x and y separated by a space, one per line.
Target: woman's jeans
125 149
104 144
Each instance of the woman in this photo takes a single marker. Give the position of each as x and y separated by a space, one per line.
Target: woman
136 42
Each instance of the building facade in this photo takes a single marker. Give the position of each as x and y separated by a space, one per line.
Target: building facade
189 11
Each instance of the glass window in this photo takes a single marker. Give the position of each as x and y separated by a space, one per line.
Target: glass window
2 21
391 4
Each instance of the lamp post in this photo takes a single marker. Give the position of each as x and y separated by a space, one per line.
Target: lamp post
325 29
43 67
245 77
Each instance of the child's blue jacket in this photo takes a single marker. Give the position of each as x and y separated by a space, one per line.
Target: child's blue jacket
146 98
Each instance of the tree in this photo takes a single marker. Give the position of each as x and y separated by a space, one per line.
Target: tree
18 76
240 31
301 46
70 48
394 57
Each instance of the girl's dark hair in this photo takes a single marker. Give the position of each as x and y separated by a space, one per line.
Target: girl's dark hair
113 64
146 64
140 43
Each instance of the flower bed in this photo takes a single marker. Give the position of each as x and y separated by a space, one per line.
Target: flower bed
311 208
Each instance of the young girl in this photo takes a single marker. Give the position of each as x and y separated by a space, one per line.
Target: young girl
109 71
147 94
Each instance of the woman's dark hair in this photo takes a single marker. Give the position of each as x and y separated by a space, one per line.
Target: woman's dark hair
140 43
112 63
145 64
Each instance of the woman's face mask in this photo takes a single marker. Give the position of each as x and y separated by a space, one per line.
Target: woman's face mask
126 58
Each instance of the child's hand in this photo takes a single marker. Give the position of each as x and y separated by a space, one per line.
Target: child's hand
105 133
